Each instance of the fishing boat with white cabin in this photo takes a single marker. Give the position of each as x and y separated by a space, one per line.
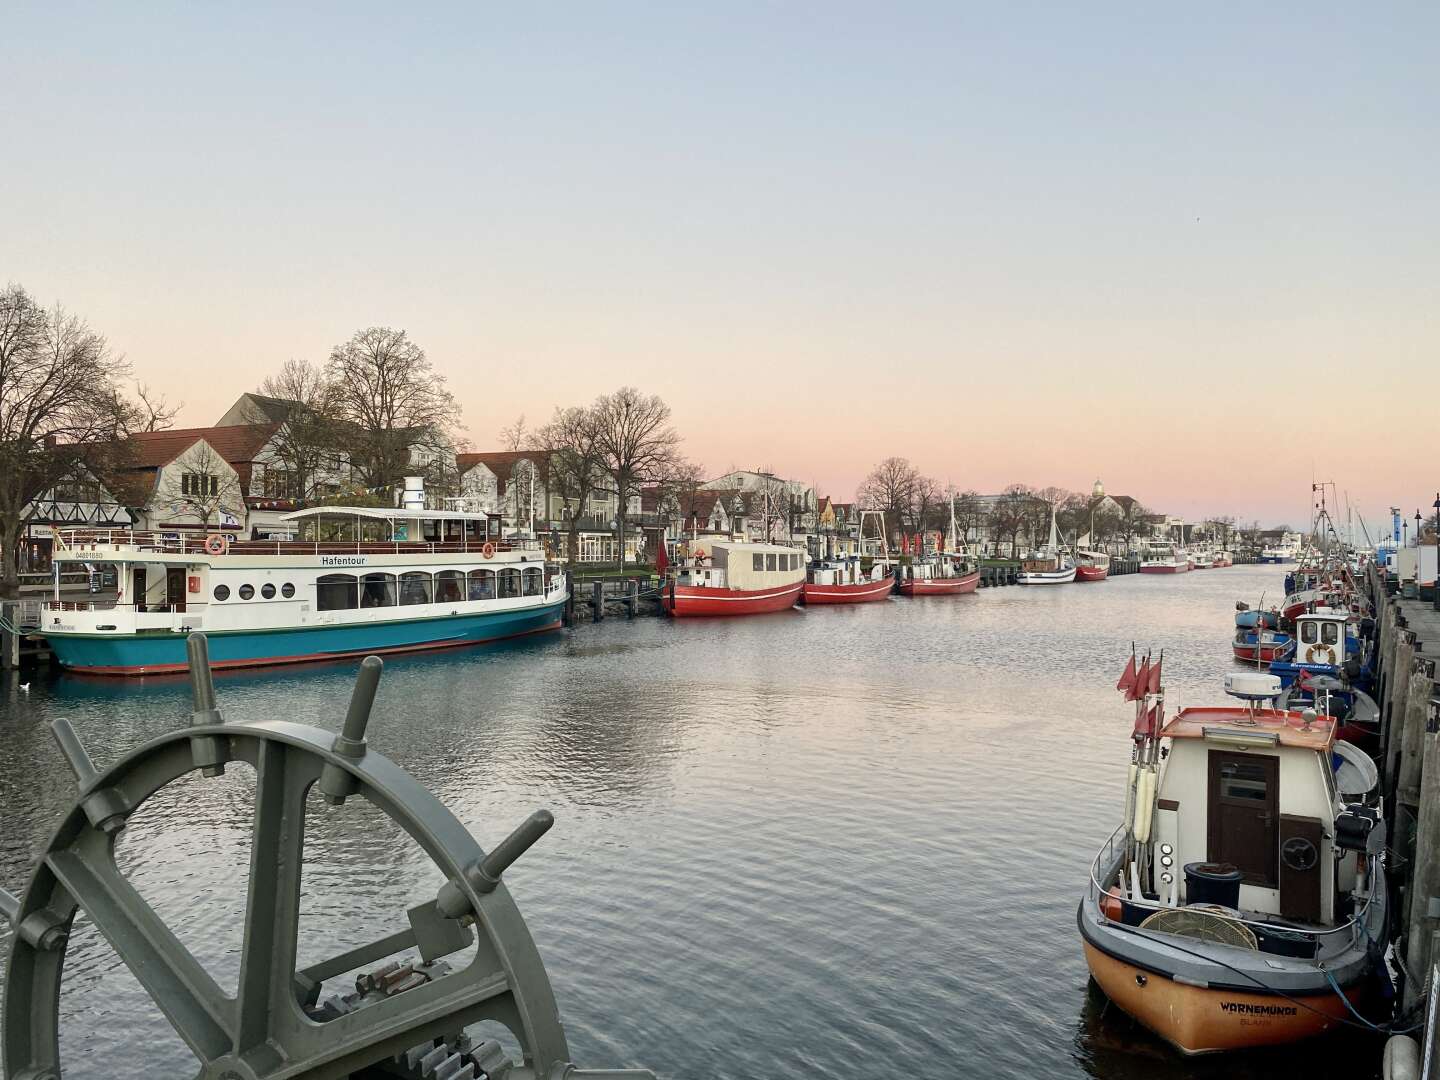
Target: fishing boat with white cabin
1242 901
404 580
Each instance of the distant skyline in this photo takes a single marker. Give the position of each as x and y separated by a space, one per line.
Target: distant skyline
1038 244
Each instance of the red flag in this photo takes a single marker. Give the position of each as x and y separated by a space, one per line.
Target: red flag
1141 686
1304 680
662 558
1154 685
1127 680
1147 721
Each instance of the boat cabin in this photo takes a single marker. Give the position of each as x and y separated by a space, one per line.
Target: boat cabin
729 564
1320 637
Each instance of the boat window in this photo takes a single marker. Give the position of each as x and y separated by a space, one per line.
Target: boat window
267 591
1307 633
247 591
482 584
336 592
416 588
449 586
222 592
287 590
378 590
769 562
1242 780
759 562
509 582
532 581
1330 633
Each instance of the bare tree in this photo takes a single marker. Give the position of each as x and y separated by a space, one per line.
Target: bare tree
61 411
970 515
391 403
890 488
524 475
1011 513
925 498
308 441
202 484
1134 517
152 411
571 444
637 445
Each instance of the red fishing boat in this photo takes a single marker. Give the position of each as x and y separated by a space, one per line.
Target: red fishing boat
729 577
839 577
938 575
1091 566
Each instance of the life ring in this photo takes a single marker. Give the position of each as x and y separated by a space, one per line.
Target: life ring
1314 649
215 544
699 554
487 549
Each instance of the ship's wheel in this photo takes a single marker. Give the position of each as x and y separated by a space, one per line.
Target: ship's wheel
406 1018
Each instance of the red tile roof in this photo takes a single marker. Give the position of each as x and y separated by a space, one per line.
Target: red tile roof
237 444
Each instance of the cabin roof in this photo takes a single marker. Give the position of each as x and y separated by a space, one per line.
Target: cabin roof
1288 727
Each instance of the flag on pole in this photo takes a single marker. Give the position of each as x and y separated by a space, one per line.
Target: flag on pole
1147 721
1154 684
1141 686
662 557
1127 680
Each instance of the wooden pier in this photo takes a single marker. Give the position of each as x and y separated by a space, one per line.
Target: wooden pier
1408 633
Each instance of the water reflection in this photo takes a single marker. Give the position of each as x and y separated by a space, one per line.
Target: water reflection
836 842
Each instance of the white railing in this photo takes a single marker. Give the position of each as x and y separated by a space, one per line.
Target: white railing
1112 853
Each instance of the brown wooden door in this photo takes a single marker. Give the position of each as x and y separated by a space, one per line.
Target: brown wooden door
139 597
175 587
1244 819
1300 867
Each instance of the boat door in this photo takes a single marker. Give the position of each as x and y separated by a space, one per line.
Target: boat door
175 588
138 580
1244 819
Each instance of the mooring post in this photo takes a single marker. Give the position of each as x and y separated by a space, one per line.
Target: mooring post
1424 892
1396 694
632 597
1414 697
569 598
599 600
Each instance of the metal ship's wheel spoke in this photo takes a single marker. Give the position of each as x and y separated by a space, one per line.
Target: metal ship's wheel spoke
267 963
192 1002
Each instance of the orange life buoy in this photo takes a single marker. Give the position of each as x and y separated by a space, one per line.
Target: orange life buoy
215 544
487 549
699 554
1314 649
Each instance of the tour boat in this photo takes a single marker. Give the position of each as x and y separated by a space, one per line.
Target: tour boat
286 601
843 581
1091 566
1242 901
1050 565
732 577
1165 559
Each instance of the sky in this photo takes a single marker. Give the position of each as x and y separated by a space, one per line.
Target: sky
1193 251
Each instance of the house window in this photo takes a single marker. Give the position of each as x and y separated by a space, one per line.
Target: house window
199 485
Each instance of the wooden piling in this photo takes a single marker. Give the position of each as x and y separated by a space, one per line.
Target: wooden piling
599 600
632 597
1423 896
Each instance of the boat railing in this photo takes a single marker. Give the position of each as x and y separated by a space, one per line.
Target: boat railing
1110 860
78 543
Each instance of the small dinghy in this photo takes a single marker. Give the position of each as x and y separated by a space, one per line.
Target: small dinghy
1243 893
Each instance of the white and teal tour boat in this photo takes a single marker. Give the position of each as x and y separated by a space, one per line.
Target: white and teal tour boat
367 581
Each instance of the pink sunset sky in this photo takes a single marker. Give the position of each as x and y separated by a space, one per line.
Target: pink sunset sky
1192 254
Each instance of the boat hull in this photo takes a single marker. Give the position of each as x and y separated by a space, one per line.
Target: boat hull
1206 1020
683 601
1046 577
1091 573
162 653
865 592
966 583
1165 568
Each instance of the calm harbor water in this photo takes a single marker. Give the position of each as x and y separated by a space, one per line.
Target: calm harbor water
842 842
